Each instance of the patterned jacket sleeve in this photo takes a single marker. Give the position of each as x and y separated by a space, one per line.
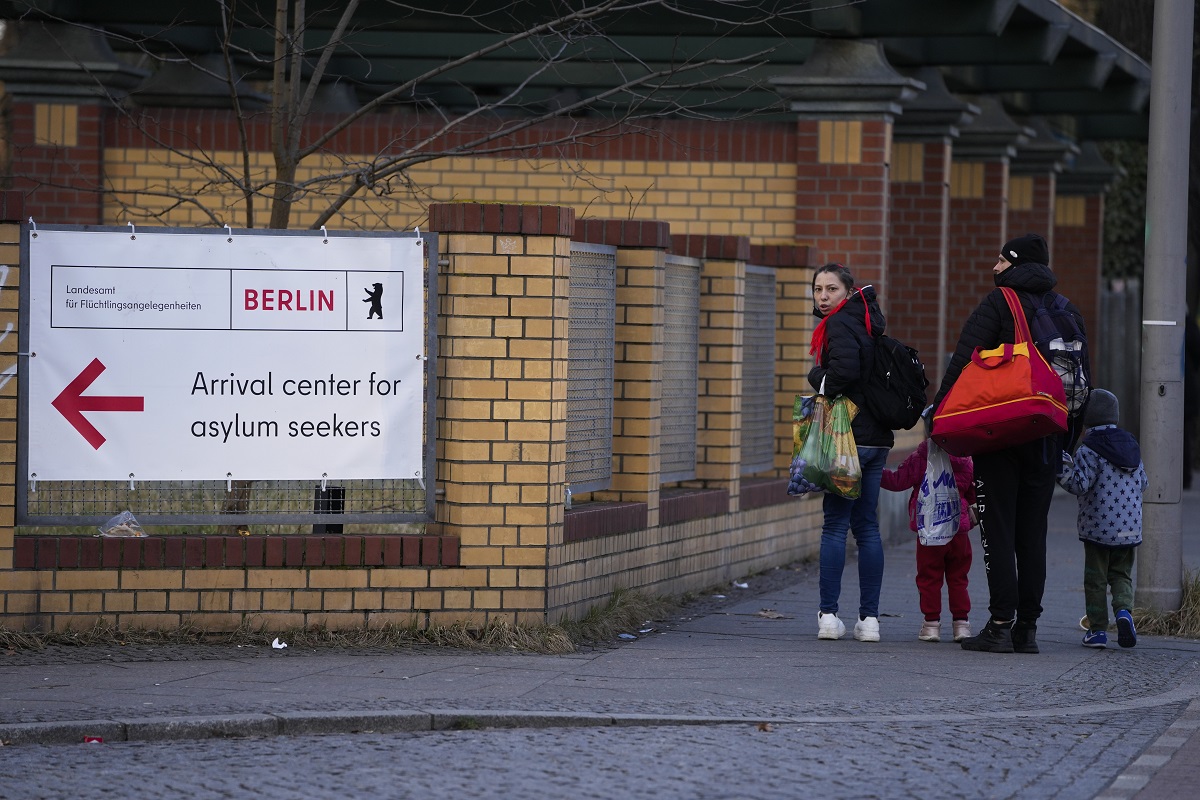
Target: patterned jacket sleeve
909 474
1079 477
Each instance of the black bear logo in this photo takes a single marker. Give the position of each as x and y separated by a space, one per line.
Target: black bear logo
375 298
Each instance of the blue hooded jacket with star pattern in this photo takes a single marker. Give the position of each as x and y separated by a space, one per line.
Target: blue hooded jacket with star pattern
1107 475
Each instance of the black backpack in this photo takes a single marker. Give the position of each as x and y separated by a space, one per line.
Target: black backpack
895 387
1057 335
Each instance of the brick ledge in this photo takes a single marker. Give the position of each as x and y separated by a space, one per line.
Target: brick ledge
592 520
761 492
198 552
681 505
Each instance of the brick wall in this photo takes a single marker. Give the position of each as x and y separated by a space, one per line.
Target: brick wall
842 195
722 306
11 208
731 179
1039 216
1077 258
977 228
63 145
918 248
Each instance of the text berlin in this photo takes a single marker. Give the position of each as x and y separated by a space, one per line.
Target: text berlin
288 300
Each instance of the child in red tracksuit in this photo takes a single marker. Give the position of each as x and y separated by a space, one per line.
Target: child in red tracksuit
949 562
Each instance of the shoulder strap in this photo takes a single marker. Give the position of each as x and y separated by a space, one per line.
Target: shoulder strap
866 312
1020 324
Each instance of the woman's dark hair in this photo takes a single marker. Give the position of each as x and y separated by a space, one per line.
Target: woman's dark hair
840 271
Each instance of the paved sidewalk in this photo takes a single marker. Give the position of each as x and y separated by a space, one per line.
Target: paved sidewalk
755 658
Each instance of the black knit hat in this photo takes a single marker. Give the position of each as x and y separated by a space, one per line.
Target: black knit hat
1102 409
1027 248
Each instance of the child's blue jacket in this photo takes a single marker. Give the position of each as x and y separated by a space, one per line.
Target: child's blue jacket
1107 475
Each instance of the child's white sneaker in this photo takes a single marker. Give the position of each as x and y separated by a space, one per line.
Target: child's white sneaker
930 631
962 630
829 626
867 630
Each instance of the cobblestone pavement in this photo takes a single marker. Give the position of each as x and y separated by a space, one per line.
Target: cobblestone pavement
722 701
1067 758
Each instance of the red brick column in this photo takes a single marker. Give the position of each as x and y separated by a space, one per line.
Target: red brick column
842 208
919 251
66 189
977 227
979 177
1040 217
1078 258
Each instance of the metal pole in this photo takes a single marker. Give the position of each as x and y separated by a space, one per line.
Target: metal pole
1160 558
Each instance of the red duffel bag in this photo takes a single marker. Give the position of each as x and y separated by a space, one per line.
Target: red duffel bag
1004 397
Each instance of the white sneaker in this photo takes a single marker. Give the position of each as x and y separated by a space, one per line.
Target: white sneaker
930 631
829 626
867 630
962 630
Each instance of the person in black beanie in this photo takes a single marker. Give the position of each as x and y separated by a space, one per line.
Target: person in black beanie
1014 486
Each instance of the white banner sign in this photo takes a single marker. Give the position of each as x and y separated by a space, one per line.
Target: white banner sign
206 356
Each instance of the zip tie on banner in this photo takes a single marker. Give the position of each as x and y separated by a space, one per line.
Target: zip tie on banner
420 241
421 480
229 230
325 234
33 481
132 230
228 482
324 480
33 225
131 486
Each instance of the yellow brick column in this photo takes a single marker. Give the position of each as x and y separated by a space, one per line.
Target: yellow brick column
502 396
11 212
638 361
722 312
794 266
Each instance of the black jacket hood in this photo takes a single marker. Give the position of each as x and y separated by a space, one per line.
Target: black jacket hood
1114 445
1028 277
862 297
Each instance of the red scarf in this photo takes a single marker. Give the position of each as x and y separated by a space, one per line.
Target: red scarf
819 333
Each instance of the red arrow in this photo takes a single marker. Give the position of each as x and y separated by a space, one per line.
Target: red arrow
71 403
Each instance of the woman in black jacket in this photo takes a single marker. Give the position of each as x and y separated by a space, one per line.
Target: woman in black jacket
1015 485
844 351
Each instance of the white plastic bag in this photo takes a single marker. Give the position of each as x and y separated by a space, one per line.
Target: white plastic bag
122 526
938 505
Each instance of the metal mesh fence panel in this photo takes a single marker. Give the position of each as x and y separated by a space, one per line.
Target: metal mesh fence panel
758 371
681 346
592 331
62 503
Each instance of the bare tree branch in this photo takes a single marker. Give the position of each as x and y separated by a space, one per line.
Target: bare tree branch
448 116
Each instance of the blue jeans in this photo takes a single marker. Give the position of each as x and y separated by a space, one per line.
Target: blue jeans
861 515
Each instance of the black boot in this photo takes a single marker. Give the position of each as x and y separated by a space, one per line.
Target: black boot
1024 637
996 637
